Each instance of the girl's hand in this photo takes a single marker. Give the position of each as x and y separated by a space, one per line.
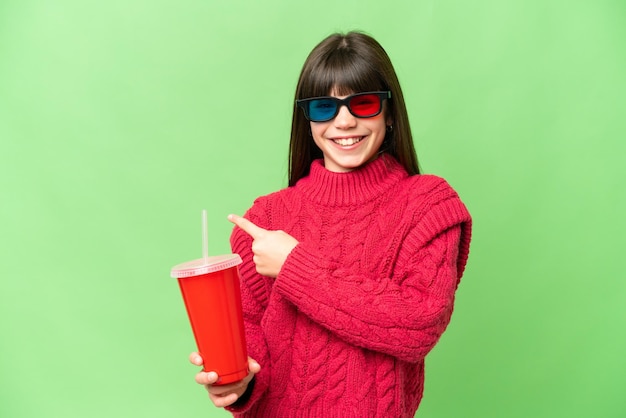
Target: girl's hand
223 395
270 248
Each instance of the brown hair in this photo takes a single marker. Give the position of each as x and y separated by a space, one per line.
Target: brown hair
349 63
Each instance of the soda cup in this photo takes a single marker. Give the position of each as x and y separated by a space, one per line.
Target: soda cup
212 296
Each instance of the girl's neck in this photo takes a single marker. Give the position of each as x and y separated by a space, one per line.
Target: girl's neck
354 187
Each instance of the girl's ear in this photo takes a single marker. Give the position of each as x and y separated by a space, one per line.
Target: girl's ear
388 114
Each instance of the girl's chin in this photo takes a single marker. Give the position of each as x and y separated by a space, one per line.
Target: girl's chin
343 165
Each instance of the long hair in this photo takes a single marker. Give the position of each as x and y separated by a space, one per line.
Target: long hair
349 63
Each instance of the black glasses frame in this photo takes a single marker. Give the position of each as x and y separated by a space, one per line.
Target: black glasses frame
304 104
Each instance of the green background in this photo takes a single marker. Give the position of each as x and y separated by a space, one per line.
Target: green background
121 120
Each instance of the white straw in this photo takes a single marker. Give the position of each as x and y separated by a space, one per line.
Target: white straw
205 237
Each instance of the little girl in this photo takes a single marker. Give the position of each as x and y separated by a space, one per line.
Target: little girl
349 274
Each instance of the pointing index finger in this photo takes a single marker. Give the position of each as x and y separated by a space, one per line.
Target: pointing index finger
248 227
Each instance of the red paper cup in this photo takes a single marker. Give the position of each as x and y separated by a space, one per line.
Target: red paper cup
212 296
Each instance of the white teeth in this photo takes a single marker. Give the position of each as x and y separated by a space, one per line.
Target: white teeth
347 141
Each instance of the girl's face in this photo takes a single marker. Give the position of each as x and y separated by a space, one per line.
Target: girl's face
348 142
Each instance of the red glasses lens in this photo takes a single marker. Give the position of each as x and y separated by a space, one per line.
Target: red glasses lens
365 105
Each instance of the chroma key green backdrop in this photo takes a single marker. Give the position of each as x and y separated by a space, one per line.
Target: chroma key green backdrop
121 120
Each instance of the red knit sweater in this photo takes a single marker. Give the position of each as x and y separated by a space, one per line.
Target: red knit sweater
344 328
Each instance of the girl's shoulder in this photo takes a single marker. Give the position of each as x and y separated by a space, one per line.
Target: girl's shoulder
270 199
427 196
426 186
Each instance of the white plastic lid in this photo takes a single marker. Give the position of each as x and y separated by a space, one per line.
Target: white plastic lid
202 266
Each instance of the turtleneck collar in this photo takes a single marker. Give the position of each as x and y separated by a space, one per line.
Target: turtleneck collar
353 187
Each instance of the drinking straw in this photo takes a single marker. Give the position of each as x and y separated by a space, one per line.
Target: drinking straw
205 237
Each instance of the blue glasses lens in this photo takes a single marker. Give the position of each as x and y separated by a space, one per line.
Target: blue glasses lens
322 109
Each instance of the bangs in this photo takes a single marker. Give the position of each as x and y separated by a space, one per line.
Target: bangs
345 72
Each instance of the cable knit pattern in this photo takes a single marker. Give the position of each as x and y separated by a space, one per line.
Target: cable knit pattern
361 300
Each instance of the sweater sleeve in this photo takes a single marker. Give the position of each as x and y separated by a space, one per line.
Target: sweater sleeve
402 316
255 292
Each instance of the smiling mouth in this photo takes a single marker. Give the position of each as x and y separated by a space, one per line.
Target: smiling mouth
348 141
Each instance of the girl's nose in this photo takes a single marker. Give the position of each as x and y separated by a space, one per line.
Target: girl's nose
344 118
